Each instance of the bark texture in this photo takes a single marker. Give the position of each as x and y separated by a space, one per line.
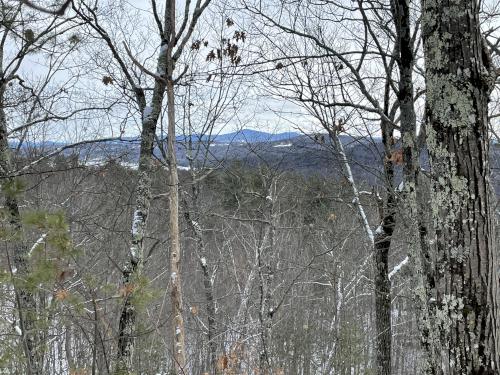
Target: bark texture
464 295
195 227
175 248
179 351
417 239
266 258
382 245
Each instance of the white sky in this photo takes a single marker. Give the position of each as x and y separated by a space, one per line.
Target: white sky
257 108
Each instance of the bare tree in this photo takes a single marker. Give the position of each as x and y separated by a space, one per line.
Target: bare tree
172 44
331 82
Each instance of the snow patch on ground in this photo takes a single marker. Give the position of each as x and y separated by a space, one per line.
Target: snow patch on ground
125 164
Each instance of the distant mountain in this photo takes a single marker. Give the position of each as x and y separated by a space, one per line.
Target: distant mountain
288 151
242 136
252 136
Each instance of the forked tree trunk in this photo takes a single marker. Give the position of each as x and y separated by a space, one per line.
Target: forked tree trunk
150 114
164 83
459 78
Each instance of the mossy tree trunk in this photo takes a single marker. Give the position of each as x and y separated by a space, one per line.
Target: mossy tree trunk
413 222
464 293
133 269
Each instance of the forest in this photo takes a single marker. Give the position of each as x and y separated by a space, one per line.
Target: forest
249 187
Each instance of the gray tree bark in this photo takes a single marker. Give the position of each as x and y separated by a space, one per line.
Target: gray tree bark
464 295
150 115
179 351
164 83
266 259
194 225
416 241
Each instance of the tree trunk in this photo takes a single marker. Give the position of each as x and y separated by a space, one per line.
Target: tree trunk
175 248
25 300
383 238
267 257
207 283
266 247
380 242
413 215
150 115
459 78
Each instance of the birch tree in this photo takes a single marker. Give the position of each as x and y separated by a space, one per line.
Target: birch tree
330 81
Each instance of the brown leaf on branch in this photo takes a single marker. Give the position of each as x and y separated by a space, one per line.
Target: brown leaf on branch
107 80
222 363
127 289
196 45
65 275
211 56
396 157
61 294
29 36
240 35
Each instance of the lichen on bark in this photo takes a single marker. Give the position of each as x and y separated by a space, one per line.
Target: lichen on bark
465 296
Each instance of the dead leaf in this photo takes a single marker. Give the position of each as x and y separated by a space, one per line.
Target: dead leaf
107 80
127 289
396 157
61 294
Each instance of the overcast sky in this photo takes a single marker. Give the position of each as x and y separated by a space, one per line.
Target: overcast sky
258 107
